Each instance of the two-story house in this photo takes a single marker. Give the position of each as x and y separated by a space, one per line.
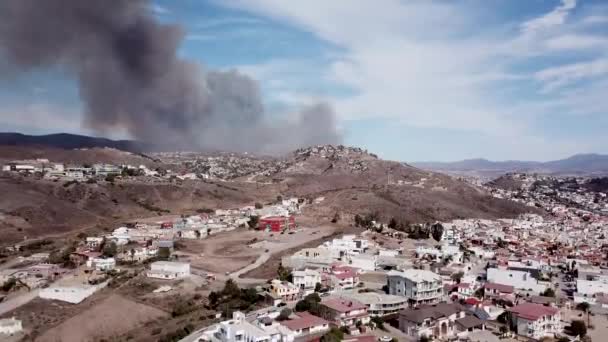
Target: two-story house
306 280
418 286
342 312
431 321
536 321
285 290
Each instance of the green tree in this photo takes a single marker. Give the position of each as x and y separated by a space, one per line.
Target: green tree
258 205
379 322
457 277
231 289
437 231
164 253
284 315
334 335
9 284
584 307
284 273
578 328
318 287
392 223
549 292
110 250
253 221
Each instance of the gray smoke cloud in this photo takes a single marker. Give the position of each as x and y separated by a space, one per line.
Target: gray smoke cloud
129 76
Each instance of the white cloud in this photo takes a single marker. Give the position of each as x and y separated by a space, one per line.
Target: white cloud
554 18
428 64
576 42
557 77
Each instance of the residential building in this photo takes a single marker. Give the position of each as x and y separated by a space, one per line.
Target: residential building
101 264
417 286
236 329
431 321
342 312
306 280
169 270
307 326
319 257
342 278
536 321
94 242
285 290
378 304
519 279
10 326
276 223
493 290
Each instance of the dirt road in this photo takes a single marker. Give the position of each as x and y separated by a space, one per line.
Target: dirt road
14 303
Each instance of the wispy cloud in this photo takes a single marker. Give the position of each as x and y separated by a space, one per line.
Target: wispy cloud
554 18
419 64
557 77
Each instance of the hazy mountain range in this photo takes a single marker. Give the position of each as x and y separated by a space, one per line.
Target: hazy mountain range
577 164
71 141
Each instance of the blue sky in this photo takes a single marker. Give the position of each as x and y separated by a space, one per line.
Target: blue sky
409 80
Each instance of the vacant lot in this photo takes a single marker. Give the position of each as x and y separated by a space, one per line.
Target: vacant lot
232 251
110 318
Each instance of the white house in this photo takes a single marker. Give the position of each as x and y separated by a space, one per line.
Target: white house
418 286
306 280
101 264
169 270
521 280
240 329
10 326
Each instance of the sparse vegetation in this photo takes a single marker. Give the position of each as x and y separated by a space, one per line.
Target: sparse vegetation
233 298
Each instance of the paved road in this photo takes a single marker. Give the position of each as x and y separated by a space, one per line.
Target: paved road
14 303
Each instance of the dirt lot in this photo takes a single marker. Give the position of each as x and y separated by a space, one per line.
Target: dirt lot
232 251
110 318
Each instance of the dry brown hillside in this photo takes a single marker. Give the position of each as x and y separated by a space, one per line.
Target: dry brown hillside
35 208
351 180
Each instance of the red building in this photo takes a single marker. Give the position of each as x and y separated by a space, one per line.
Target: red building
166 225
277 223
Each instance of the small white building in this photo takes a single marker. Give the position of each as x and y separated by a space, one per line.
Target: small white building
101 264
10 326
169 270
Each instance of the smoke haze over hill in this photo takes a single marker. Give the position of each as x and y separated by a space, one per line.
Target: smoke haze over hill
130 76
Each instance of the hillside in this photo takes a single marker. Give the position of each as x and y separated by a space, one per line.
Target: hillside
351 181
36 208
356 182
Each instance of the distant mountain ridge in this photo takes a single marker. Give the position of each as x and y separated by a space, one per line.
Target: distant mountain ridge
578 164
69 141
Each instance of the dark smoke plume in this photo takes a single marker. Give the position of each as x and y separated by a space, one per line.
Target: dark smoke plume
130 76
